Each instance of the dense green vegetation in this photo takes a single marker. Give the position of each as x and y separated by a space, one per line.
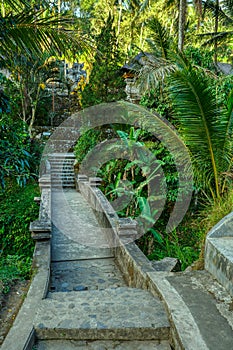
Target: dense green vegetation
181 80
17 209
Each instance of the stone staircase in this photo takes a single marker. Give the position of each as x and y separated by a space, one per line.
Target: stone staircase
122 313
89 305
62 169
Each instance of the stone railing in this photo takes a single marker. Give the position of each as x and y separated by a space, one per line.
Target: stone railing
219 252
121 233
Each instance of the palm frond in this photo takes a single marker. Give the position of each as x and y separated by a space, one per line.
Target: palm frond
30 32
153 72
217 11
202 124
159 36
220 37
228 4
17 5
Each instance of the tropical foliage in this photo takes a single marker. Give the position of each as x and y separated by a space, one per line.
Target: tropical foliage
184 43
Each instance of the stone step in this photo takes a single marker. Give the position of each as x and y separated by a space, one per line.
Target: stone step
63 252
61 164
65 185
81 275
121 313
62 177
62 169
61 160
67 173
101 345
62 155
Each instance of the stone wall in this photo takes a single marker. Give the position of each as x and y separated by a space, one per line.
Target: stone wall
219 252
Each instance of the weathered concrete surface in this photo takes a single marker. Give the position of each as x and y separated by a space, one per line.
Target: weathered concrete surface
85 275
167 264
185 334
219 260
75 227
219 252
65 248
121 313
102 345
89 298
209 305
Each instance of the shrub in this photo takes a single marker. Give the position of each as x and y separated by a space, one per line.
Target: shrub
18 210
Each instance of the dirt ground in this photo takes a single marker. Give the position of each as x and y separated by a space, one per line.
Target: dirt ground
10 305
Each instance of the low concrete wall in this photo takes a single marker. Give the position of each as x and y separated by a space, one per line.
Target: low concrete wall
132 262
105 214
219 252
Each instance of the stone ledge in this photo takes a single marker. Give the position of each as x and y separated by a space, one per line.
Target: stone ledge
40 230
219 252
108 314
185 334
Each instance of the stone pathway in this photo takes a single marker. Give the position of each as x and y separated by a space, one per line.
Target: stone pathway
84 275
210 305
89 305
101 345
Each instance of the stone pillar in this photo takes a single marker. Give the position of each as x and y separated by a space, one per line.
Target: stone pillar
127 229
95 181
80 178
40 230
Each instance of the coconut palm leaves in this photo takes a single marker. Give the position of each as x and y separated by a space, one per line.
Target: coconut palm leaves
159 39
206 126
157 65
222 12
30 30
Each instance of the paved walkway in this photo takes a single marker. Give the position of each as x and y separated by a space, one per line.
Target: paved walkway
89 305
210 305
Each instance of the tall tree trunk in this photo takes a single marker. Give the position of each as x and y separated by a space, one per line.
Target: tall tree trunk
198 8
3 9
182 23
119 19
33 110
141 35
216 31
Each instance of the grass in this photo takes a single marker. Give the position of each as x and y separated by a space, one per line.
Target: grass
216 210
12 268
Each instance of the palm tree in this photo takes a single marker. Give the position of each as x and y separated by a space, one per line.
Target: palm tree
182 23
160 62
135 8
206 125
182 6
28 31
